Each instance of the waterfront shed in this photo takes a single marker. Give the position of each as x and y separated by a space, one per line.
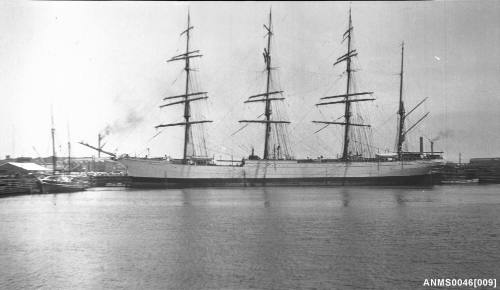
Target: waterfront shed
12 168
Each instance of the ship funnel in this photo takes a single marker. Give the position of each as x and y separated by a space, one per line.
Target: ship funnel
432 148
421 145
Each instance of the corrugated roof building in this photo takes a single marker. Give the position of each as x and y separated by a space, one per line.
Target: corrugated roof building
10 168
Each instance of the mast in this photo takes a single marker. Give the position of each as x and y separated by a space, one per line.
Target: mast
99 139
347 113
69 157
186 104
267 113
53 131
401 112
69 152
185 97
265 97
346 98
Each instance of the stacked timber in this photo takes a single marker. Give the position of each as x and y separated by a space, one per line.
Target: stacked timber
458 173
19 185
487 169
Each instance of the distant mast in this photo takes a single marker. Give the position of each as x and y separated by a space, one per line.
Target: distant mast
69 152
53 132
185 97
346 155
99 140
264 97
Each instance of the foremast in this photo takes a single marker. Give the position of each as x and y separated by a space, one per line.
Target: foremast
188 96
265 97
346 98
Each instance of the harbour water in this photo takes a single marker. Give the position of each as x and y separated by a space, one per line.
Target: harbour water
250 238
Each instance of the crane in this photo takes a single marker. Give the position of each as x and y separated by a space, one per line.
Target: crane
97 149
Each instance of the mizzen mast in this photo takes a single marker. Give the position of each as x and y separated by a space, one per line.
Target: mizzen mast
185 98
402 113
346 98
265 97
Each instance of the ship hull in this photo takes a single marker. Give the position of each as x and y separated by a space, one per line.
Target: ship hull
141 182
61 188
148 173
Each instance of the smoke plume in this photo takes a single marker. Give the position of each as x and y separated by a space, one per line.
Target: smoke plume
131 120
444 134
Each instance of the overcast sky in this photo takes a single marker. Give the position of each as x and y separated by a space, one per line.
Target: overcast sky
104 64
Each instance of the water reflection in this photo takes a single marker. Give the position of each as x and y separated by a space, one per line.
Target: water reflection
266 197
263 238
400 196
346 196
186 197
190 242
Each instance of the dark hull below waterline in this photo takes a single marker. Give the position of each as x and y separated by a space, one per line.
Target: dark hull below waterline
61 188
144 182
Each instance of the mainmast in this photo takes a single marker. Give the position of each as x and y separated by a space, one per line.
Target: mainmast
347 100
264 97
347 114
401 112
187 109
185 98
267 113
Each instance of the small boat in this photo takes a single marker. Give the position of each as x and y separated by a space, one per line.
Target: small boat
56 182
63 183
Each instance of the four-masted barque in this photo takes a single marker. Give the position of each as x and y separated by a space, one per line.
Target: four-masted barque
277 167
